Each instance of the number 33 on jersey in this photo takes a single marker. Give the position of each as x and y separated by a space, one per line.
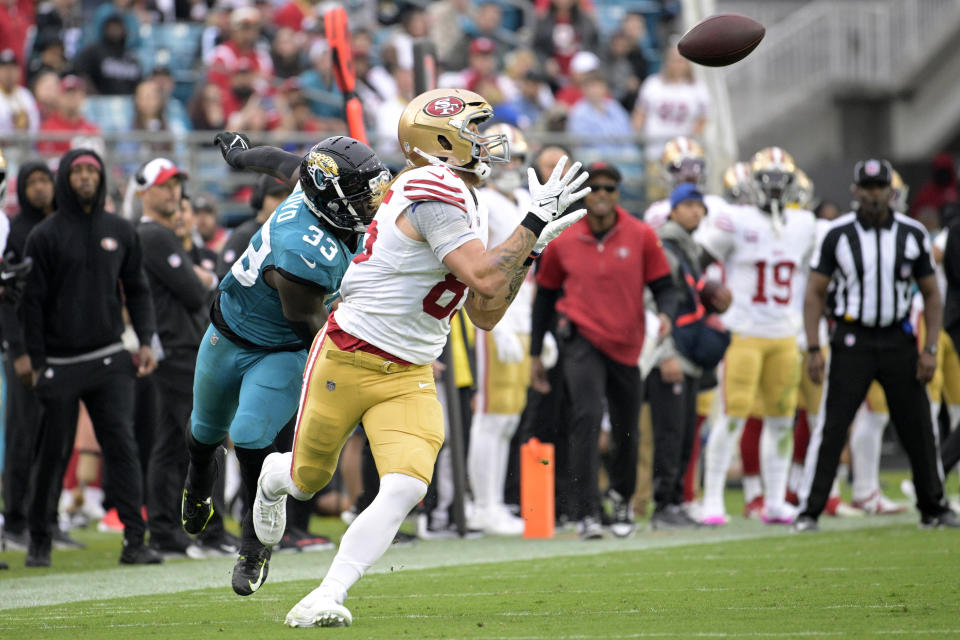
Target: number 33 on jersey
766 270
292 242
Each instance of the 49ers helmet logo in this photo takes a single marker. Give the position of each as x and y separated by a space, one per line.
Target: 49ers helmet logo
445 106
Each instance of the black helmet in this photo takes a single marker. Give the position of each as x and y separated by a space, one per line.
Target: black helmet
343 181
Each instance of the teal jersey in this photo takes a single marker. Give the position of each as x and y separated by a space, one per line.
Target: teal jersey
292 242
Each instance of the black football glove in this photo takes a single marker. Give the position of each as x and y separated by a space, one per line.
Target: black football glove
231 143
13 278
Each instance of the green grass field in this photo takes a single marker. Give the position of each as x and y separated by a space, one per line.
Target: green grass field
858 578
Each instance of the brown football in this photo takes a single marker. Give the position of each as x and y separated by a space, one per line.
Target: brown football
711 290
721 40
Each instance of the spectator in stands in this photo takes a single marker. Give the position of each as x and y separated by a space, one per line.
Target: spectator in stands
16 18
387 114
18 109
215 33
599 122
320 86
287 53
446 19
374 83
939 189
213 235
48 56
625 62
240 54
413 26
670 104
487 16
206 109
481 73
582 66
122 9
35 196
107 64
162 75
80 356
68 117
559 32
297 15
533 98
61 20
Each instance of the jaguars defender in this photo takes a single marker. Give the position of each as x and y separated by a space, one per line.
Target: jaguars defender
270 306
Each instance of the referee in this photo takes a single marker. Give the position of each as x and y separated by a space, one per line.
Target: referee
873 254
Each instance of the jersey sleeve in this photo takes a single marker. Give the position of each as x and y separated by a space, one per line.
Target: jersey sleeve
824 258
444 226
311 258
717 235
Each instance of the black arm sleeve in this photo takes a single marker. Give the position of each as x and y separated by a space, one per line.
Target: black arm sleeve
161 252
269 160
34 298
706 258
667 295
544 309
137 291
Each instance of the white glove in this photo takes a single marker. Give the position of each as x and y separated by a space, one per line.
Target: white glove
553 229
509 346
551 199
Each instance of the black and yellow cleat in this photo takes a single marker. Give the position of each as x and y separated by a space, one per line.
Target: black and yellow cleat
195 512
250 571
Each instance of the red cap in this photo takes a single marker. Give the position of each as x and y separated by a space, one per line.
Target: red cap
482 45
157 172
71 82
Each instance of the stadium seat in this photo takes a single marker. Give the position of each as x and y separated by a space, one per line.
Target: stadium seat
111 113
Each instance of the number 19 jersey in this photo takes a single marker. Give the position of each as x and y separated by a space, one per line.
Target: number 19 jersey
765 268
293 242
398 295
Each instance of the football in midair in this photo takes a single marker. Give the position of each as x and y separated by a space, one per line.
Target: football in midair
721 40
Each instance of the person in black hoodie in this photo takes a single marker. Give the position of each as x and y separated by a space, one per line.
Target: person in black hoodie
87 265
35 195
108 66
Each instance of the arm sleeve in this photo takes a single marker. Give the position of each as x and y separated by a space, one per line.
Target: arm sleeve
269 160
666 294
544 308
33 299
169 263
137 291
445 227
923 265
717 236
824 258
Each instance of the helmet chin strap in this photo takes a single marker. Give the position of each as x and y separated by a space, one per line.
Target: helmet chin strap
482 169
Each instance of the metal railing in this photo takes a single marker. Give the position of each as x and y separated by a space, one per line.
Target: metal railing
870 46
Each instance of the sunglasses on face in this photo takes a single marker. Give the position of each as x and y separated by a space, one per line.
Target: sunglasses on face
609 188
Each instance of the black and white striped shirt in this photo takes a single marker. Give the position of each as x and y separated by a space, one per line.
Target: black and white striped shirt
872 268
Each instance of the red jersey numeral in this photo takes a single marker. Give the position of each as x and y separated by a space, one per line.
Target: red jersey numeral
782 279
431 304
371 237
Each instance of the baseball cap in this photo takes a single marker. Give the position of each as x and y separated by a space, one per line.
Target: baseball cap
872 172
684 192
601 168
584 62
483 46
157 172
244 15
8 56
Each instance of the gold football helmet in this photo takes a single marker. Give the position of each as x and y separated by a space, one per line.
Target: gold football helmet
900 192
441 126
683 160
774 172
510 177
801 195
738 184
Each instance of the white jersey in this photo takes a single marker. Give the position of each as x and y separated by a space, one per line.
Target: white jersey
672 110
821 225
505 214
398 295
658 212
765 269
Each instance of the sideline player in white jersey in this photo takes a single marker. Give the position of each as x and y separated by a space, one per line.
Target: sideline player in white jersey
683 160
423 258
503 360
763 248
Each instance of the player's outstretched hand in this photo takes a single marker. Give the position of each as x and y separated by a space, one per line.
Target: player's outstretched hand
550 199
553 229
230 140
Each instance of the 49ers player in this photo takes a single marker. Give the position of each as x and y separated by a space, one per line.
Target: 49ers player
763 248
423 257
683 160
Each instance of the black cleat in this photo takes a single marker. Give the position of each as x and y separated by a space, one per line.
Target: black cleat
947 520
139 553
63 540
195 512
38 553
805 524
250 571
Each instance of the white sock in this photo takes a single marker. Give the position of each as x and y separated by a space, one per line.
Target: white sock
865 440
482 459
370 535
954 411
776 450
795 479
277 481
724 438
752 487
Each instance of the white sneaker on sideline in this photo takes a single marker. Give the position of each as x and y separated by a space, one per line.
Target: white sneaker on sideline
318 609
908 490
270 518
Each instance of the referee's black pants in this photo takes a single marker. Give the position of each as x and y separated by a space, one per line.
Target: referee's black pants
673 412
106 386
592 376
858 356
